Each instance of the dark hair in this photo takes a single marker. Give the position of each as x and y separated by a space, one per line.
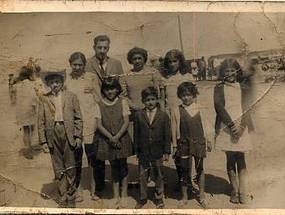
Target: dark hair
54 76
77 55
175 53
101 38
137 50
149 91
111 83
187 86
229 63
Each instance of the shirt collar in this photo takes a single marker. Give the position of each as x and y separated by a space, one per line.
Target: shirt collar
151 111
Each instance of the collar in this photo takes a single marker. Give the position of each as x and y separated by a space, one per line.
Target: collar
108 103
75 76
151 111
104 61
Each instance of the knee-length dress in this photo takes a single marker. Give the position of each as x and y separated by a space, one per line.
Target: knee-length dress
233 106
112 116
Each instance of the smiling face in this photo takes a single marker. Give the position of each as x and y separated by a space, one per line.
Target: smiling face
138 62
77 66
230 74
101 49
150 102
55 84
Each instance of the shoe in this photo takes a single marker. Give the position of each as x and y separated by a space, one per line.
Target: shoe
160 204
124 202
62 202
203 203
79 196
95 197
234 198
140 204
243 199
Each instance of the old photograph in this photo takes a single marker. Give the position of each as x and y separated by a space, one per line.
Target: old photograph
142 110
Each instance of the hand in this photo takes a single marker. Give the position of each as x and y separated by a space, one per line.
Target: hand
209 146
78 143
45 148
235 129
166 157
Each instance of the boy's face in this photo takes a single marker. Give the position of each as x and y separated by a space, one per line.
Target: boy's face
77 66
111 94
173 64
138 62
187 98
55 84
150 102
101 49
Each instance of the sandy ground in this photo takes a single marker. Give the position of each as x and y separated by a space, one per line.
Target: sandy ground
24 182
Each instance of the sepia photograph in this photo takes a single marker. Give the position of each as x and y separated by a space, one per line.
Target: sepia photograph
142 110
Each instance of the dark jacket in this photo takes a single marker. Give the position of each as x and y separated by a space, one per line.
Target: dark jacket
152 140
71 115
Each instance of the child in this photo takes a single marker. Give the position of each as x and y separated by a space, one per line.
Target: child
152 144
233 126
60 128
111 139
174 73
190 140
83 85
27 104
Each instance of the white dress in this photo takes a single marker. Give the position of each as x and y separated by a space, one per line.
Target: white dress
233 106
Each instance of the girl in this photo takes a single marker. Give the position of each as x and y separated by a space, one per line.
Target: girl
175 71
139 77
112 141
83 85
190 139
27 85
232 126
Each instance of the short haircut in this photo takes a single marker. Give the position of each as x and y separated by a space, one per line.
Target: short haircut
110 83
188 87
54 76
149 91
137 50
77 55
101 38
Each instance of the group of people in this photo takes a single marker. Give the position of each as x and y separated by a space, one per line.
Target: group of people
110 114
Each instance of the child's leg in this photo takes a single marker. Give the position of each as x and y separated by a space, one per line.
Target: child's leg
199 166
124 177
27 138
231 168
186 176
241 166
143 171
156 167
115 169
177 162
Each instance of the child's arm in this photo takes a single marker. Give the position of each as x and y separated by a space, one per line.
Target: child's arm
41 125
167 137
126 112
101 128
208 130
78 123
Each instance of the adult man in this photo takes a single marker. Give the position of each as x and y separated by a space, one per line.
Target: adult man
103 66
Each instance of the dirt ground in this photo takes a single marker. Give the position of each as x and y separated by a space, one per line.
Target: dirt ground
29 183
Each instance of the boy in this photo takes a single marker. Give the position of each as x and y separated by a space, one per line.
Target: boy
60 128
152 144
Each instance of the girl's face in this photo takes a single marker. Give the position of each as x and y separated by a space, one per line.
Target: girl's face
55 85
173 64
187 98
138 62
111 94
77 66
230 74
